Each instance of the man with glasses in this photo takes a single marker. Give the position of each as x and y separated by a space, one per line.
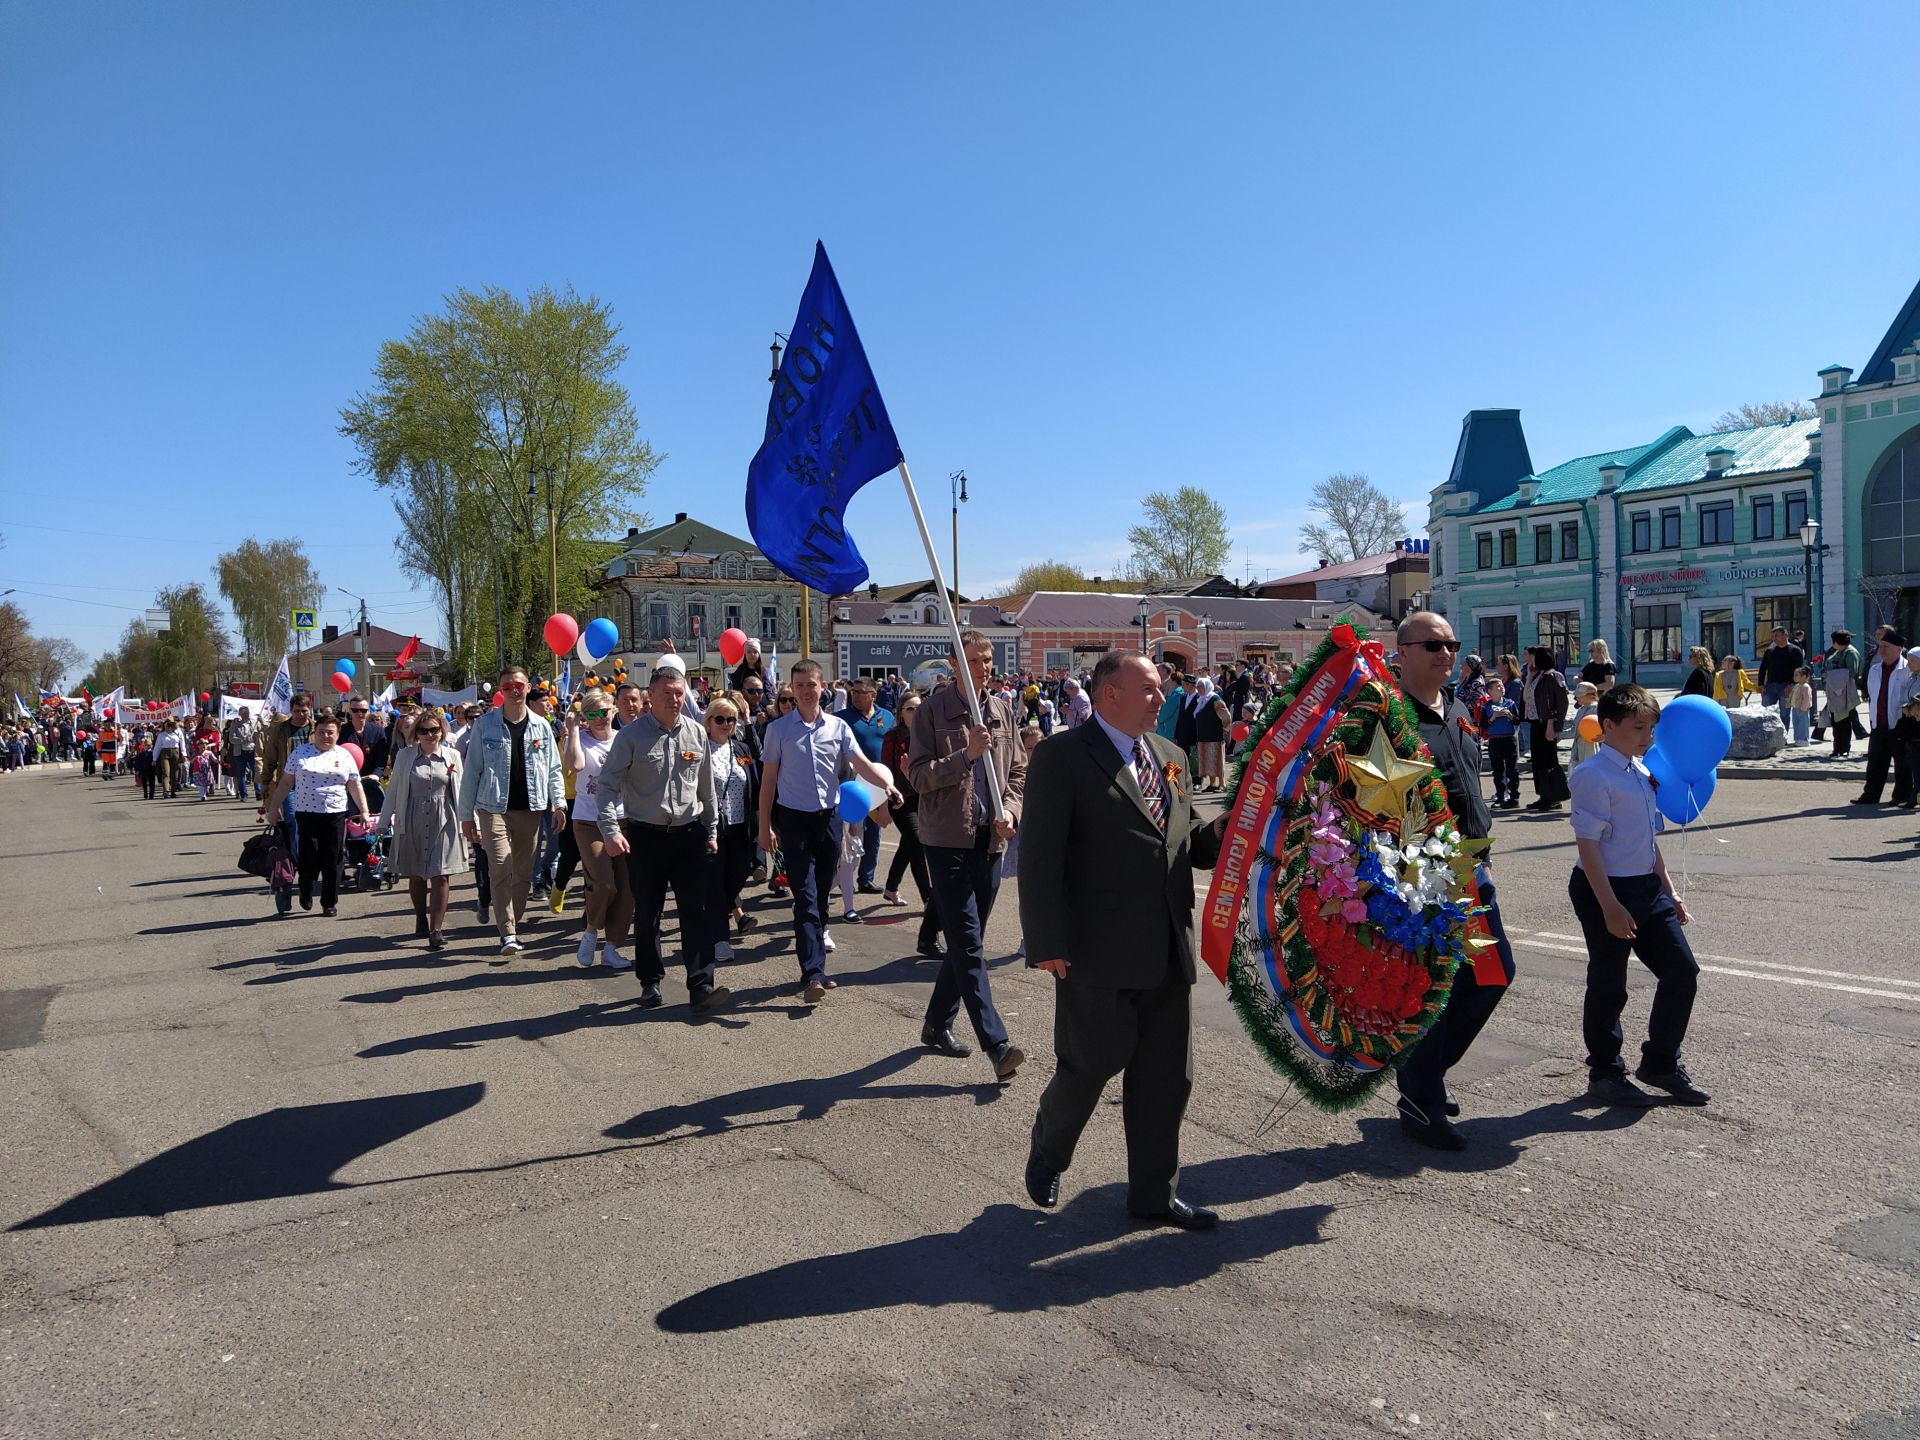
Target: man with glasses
368 734
658 817
512 777
1427 653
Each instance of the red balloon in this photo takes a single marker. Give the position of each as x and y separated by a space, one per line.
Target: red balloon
205 697
499 698
563 632
359 755
1241 730
733 644
340 682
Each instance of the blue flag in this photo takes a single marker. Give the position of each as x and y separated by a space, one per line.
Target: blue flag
827 435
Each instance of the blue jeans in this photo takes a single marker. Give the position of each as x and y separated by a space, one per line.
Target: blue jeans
243 772
869 851
1802 725
965 883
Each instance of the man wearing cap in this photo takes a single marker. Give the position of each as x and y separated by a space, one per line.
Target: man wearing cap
657 809
1889 682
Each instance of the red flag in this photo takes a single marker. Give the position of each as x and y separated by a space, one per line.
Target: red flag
407 652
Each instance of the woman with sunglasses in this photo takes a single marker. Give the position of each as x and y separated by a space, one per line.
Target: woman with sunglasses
736 795
421 812
320 778
609 892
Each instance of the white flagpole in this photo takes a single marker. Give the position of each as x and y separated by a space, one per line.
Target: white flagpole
962 673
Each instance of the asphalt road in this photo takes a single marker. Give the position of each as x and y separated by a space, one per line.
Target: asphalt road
301 1178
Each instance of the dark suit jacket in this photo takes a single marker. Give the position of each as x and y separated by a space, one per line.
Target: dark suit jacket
1102 886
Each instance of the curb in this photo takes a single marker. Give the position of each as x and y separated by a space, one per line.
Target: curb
1822 774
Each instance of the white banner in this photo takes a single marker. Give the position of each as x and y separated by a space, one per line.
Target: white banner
184 707
279 697
449 697
230 708
383 702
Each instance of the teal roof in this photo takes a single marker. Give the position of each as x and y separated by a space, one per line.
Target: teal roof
1678 457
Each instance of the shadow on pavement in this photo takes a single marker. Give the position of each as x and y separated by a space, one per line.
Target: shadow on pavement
624 1011
292 1150
201 926
471 980
1013 1260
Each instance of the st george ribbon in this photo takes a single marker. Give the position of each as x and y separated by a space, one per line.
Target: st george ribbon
827 435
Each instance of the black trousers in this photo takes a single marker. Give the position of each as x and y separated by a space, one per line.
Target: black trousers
1843 732
1662 947
1147 1035
1549 776
1423 1075
320 838
810 844
965 884
656 860
1886 749
728 873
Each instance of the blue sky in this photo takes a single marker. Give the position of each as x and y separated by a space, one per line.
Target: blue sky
1094 251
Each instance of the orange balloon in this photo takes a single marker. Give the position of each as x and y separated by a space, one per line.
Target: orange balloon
1590 729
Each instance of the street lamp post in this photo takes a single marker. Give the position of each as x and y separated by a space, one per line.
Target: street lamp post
553 546
1142 620
957 483
1206 644
1633 648
1809 539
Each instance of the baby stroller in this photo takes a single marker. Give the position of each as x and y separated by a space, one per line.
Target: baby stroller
366 860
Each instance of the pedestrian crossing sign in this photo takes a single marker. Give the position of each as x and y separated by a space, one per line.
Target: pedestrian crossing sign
303 620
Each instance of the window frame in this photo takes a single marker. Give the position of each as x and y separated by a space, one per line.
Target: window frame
1789 501
1764 504
1543 544
1509 549
770 622
1670 525
1569 531
1670 623
1483 550
1721 513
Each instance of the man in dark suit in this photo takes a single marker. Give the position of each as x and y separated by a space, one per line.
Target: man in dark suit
1107 853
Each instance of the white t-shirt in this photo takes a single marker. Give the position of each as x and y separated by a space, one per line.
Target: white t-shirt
586 785
320 779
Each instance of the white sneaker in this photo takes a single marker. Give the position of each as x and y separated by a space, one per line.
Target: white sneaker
829 942
611 957
589 943
511 945
722 951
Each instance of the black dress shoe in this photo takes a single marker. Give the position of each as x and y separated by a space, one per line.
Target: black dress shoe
1676 1082
1611 1087
931 949
1437 1133
944 1042
1043 1185
1007 1060
329 911
1862 800
1182 1216
867 887
1452 1106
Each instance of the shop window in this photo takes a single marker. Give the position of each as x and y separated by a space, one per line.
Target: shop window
1483 550
1893 512
1670 528
1509 549
1656 634
1058 660
1543 544
1716 632
1763 517
769 622
1772 610
1716 523
1499 635
1796 516
1642 532
1560 632
1570 540
659 621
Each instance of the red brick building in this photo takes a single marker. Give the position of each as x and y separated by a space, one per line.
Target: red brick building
1071 630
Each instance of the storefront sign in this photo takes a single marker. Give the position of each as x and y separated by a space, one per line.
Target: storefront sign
1747 574
906 655
1665 579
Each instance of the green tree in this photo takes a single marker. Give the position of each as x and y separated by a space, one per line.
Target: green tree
264 584
187 655
1050 575
1360 519
463 415
18 651
1763 412
1180 534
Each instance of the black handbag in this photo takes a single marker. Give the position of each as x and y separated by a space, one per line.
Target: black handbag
256 855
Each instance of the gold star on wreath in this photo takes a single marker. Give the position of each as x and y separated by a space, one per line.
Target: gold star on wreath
1382 780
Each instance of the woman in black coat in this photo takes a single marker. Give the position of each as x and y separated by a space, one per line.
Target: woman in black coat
1547 710
1699 673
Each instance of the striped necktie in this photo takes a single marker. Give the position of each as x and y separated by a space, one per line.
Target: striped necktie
1153 788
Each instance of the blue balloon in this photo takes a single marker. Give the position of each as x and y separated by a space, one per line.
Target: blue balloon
601 637
345 667
1681 803
855 801
1661 769
1694 735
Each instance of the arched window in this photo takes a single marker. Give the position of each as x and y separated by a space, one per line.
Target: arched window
1893 511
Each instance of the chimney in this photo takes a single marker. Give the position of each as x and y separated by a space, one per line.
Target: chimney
873 589
680 517
633 532
1323 564
1718 459
1097 580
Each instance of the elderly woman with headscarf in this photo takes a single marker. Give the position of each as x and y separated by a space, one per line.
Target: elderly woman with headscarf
1210 720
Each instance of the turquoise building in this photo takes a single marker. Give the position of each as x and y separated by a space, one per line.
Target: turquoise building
1691 539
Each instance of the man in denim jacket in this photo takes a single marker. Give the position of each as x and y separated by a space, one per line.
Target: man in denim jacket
512 776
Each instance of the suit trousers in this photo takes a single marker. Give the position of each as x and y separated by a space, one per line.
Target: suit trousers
1147 1035
1884 752
1662 947
659 858
509 840
1423 1075
810 844
965 884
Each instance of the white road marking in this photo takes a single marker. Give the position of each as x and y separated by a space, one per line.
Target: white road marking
1762 964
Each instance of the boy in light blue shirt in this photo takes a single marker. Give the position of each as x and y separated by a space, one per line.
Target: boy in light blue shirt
1627 906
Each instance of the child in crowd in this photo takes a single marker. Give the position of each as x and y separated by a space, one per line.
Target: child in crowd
205 770
1802 705
143 769
1627 906
1498 723
1587 698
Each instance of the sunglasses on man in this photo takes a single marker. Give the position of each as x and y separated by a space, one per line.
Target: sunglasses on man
1434 647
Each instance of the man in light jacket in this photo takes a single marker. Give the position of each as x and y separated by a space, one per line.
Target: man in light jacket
512 777
1889 682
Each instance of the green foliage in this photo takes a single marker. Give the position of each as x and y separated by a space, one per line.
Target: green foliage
463 414
1181 533
264 584
163 665
1049 575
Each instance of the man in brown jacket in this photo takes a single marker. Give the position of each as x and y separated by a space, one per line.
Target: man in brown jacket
965 842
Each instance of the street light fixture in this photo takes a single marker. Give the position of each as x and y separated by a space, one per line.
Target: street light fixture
1141 604
1206 644
1633 647
957 483
1809 540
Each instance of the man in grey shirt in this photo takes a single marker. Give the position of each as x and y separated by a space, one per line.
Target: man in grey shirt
657 809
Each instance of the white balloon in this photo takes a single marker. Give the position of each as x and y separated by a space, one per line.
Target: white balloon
581 650
889 779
